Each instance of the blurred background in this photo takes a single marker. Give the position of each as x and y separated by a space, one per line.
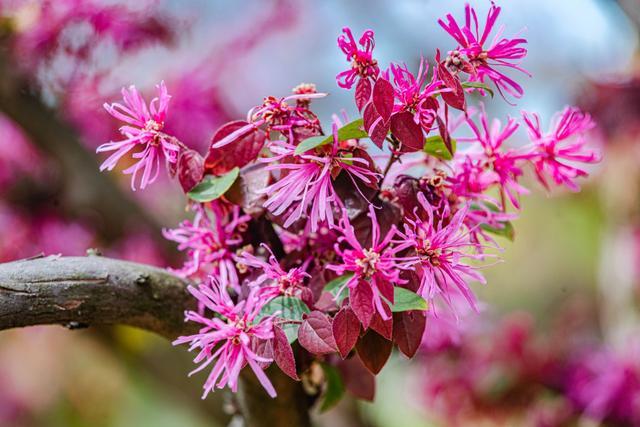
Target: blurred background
562 305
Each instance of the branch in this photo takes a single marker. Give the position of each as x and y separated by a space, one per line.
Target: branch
80 291
93 290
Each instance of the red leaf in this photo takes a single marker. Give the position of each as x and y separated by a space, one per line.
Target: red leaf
444 133
190 169
316 334
386 290
455 97
264 349
246 191
427 120
407 131
383 97
374 351
236 154
408 329
374 125
406 192
358 380
363 93
381 326
346 329
361 302
283 353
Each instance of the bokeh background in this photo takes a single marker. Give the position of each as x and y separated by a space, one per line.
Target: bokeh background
571 278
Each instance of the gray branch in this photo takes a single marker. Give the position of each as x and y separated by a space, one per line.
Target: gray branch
93 290
78 291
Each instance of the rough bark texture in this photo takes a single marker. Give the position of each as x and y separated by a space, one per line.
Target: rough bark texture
93 290
80 291
289 408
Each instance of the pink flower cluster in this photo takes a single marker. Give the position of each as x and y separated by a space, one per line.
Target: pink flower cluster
301 235
562 377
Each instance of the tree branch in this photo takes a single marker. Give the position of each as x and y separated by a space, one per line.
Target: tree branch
93 290
78 291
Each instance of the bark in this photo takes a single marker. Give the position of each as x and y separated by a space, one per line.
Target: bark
81 291
290 408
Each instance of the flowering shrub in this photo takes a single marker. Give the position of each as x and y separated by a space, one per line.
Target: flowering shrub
312 248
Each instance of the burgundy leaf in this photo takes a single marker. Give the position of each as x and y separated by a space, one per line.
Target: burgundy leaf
369 115
371 165
383 97
427 120
351 195
386 290
363 93
374 351
444 133
374 125
379 133
381 326
358 380
406 193
283 353
236 154
361 302
455 97
316 334
346 329
190 169
408 328
246 191
264 349
387 217
407 131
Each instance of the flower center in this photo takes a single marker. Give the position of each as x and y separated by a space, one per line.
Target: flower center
368 262
276 111
426 253
363 64
152 126
241 326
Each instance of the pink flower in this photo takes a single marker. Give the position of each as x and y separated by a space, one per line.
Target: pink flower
210 241
484 55
441 254
376 266
607 386
228 337
413 97
363 65
308 183
143 129
493 165
557 152
274 280
277 115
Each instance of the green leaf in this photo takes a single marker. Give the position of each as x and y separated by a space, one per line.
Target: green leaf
435 146
288 308
212 187
352 130
405 300
506 230
335 387
478 85
334 286
311 143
